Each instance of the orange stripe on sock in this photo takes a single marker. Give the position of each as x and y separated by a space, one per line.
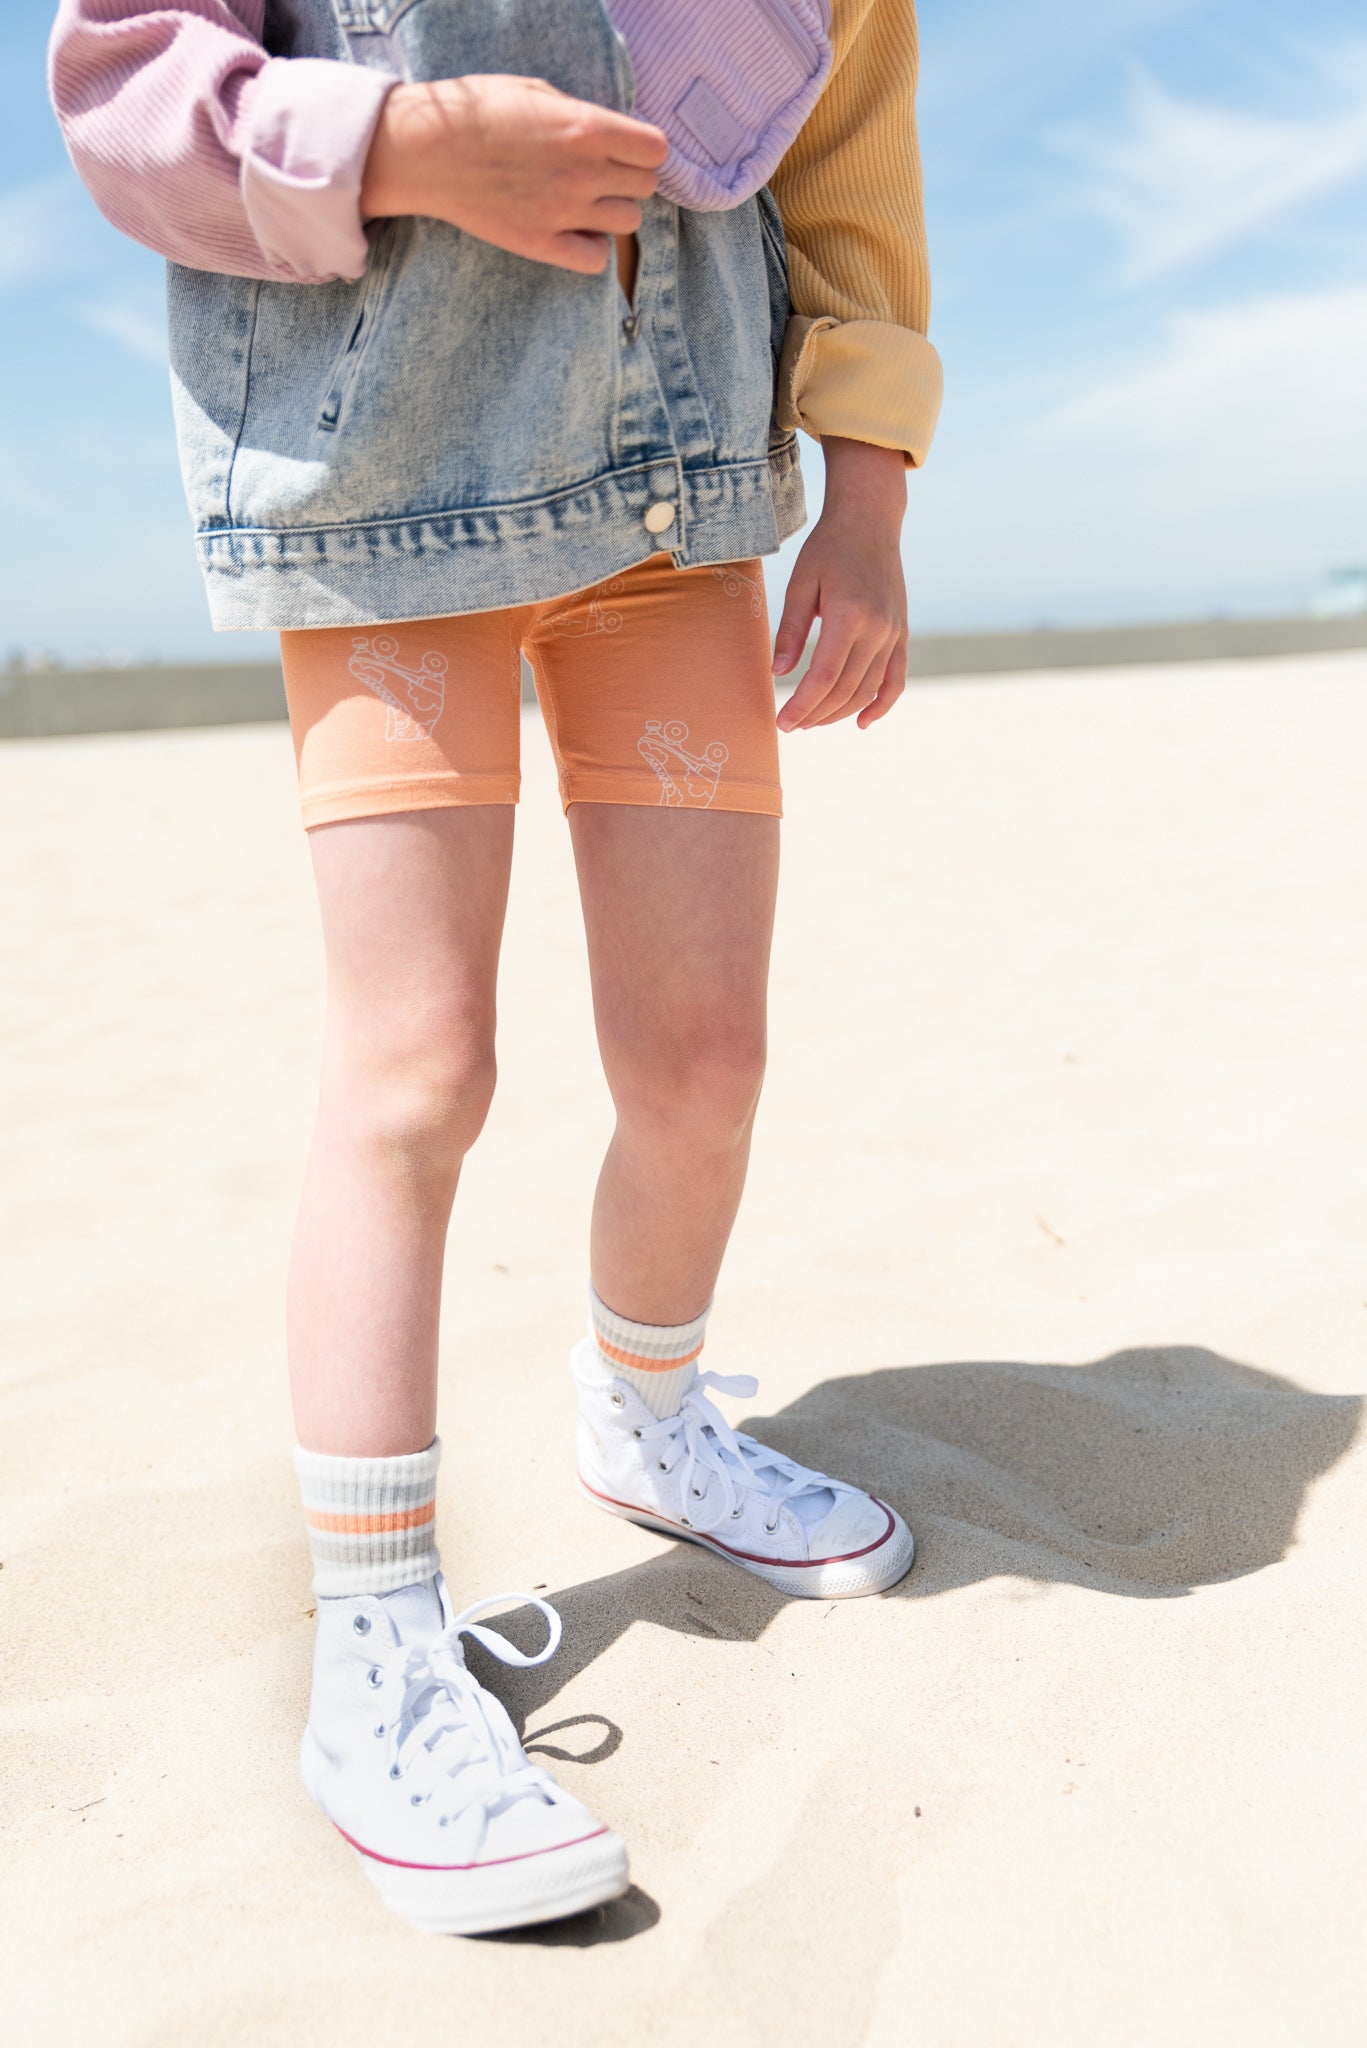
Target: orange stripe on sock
639 1364
369 1525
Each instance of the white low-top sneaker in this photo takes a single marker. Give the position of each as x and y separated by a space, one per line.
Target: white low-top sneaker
692 1475
420 1769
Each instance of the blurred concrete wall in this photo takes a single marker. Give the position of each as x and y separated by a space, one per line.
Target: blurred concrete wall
47 703
52 702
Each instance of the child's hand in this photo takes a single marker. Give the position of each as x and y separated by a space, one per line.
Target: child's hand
850 574
516 163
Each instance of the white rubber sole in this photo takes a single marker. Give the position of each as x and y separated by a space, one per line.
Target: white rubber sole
485 1898
838 1578
482 1898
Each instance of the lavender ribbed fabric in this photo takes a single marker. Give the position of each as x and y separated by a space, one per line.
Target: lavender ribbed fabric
191 139
729 81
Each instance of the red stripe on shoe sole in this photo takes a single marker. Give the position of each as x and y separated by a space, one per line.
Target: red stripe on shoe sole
796 1564
397 1862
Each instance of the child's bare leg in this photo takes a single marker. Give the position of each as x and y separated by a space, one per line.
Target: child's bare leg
412 908
679 911
398 1750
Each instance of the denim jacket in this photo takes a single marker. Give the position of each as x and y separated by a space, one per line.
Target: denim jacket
463 429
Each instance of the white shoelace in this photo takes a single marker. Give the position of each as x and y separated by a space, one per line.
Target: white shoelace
701 1435
448 1737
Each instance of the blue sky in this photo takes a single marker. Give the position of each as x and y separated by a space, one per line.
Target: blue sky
1149 244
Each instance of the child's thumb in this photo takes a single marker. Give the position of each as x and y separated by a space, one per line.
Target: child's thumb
799 610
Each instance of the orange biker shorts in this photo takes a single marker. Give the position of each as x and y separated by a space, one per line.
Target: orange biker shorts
656 687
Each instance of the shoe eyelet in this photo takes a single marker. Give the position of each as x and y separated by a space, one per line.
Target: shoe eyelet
361 1624
696 1491
736 1514
637 1434
394 1771
685 1521
443 1820
617 1400
374 1678
771 1528
416 1798
662 1465
379 1728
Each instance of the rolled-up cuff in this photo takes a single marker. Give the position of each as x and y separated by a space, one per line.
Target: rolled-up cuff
865 380
309 122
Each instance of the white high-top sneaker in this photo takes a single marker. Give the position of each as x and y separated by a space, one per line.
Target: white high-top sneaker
421 1770
692 1475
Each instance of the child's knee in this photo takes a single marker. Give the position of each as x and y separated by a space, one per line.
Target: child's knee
422 1102
700 1082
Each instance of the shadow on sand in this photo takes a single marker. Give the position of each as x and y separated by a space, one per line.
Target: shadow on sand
618 1920
1144 1475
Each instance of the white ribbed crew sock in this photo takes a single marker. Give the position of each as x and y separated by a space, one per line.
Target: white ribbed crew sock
371 1521
658 1359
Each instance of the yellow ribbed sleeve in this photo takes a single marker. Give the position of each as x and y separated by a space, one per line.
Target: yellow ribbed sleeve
856 361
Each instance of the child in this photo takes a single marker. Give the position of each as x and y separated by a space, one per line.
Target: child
454 382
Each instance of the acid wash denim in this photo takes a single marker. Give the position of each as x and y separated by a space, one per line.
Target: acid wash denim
463 429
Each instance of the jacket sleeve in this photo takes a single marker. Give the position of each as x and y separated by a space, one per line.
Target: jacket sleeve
856 361
194 141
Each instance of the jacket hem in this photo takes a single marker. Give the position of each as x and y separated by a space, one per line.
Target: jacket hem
441 564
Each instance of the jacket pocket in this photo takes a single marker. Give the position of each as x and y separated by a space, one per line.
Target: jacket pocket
373 290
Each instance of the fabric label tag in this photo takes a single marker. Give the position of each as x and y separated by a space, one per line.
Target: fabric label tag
705 118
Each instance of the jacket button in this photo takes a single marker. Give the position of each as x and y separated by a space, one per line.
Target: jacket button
659 516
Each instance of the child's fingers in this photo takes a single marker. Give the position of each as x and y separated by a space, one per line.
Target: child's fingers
799 612
632 142
856 686
572 250
629 181
867 690
893 684
829 669
616 216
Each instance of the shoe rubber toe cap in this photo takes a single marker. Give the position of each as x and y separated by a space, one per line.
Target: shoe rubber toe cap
855 1523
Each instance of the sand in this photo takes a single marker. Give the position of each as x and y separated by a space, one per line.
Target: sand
1055 1235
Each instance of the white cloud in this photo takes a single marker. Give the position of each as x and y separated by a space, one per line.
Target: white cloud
1219 468
1253 399
134 330
18 492
1182 180
989 66
38 224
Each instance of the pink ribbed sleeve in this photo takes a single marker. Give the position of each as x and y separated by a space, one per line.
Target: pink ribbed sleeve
192 140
